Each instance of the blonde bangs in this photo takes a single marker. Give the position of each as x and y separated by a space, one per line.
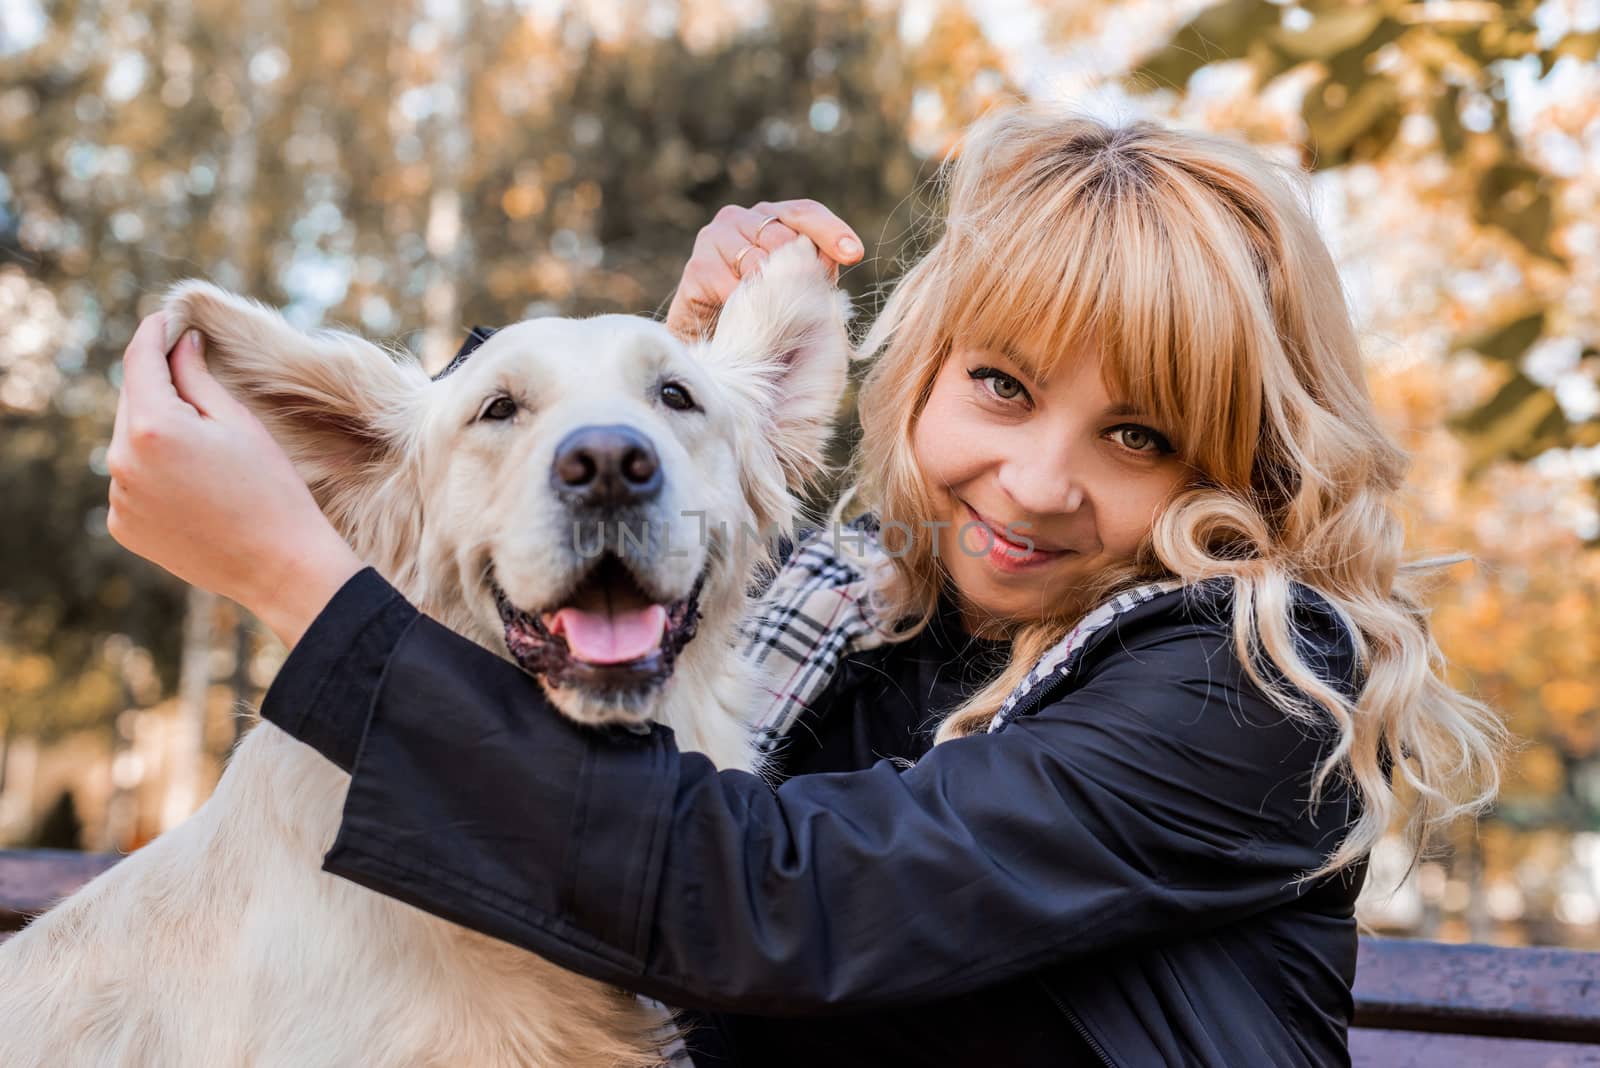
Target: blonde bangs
1132 266
1019 294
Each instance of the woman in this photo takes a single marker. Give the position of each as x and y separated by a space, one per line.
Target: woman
1167 678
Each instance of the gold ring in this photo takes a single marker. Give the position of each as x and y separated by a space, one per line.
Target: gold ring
765 221
737 260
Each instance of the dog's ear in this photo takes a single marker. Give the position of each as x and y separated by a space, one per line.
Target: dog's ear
782 335
341 407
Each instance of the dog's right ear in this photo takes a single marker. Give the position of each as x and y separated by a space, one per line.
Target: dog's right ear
341 407
781 340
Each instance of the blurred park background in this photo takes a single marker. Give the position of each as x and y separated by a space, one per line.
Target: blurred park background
409 169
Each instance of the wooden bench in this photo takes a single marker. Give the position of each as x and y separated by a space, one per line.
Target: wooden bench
1418 1004
1424 1004
30 880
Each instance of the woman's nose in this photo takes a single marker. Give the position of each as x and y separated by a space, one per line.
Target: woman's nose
1043 485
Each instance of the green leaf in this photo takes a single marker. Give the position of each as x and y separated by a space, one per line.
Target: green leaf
1508 341
1329 34
1514 196
1469 40
1593 542
1346 122
1552 432
1494 40
1584 47
1503 425
1517 389
1269 60
1220 32
1447 119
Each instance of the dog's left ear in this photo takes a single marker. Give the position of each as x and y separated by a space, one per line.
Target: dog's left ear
340 406
781 338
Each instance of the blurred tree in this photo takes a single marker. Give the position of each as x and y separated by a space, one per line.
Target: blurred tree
60 828
398 172
1369 67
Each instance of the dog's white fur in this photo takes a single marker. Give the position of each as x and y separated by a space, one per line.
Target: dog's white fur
222 943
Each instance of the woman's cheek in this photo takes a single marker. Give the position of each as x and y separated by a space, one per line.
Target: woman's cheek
1123 532
947 440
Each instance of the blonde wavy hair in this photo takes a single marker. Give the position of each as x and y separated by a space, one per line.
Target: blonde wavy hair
1196 268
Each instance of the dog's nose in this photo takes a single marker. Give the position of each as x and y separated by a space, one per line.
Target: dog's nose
606 465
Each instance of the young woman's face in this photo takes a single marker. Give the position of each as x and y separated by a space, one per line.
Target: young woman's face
1008 459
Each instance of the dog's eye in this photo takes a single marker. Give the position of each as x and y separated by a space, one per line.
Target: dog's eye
500 408
676 397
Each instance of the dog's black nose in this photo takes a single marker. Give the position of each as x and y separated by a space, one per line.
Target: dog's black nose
606 466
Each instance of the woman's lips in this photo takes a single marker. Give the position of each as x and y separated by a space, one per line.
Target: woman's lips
1007 555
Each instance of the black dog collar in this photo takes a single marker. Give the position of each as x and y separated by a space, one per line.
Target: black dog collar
475 337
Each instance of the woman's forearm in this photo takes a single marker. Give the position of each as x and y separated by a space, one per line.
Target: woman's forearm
307 586
622 858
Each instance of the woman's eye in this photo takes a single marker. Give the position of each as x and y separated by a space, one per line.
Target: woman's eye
999 384
500 408
1139 438
675 396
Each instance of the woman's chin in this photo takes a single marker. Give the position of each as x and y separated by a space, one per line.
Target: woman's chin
1002 598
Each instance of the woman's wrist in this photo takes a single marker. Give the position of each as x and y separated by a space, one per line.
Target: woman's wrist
303 586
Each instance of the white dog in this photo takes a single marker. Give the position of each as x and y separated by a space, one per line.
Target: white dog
481 496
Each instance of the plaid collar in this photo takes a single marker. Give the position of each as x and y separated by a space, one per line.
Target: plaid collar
1057 662
819 609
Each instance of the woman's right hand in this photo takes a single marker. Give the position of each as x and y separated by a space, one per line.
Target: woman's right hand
715 266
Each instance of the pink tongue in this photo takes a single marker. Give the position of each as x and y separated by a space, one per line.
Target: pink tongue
601 637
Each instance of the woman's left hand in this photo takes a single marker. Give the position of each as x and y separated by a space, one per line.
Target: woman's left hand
199 487
736 242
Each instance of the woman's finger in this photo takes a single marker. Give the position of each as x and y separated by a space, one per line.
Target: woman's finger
145 388
701 292
738 254
146 378
119 422
726 240
757 234
715 248
764 229
826 230
744 239
194 381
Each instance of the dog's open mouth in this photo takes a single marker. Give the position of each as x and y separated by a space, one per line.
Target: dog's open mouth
608 636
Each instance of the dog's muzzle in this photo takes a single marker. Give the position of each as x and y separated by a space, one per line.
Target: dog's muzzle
609 638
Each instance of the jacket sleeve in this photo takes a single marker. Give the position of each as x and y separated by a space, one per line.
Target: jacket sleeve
1161 798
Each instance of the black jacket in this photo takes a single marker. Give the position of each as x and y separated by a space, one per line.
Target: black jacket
1112 878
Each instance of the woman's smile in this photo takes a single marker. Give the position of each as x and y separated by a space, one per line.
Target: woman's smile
1008 547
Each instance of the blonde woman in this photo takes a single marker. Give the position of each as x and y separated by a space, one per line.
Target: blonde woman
1132 671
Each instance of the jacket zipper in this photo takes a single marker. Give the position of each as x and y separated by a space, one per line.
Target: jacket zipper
1033 700
1077 1025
